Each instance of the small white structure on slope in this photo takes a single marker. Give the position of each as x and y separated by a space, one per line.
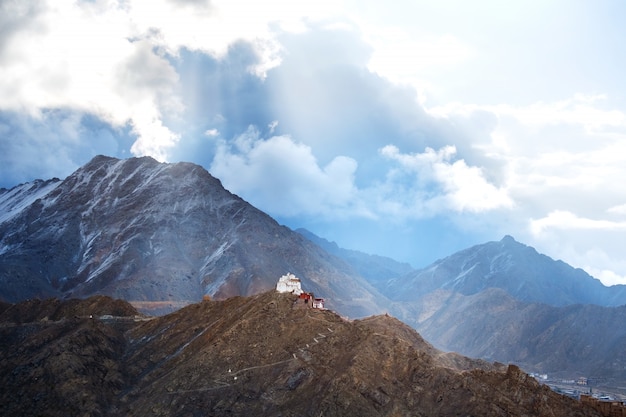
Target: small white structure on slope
289 283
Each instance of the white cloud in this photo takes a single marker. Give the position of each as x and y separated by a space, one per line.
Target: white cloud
577 111
112 59
79 56
212 133
213 26
404 58
458 187
619 209
562 219
579 123
607 277
284 177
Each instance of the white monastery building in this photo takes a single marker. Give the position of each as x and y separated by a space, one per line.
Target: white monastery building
289 283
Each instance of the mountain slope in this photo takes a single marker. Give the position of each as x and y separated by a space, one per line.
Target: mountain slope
252 356
141 230
470 303
570 340
514 267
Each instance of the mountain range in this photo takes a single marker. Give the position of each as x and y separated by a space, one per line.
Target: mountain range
145 231
504 301
162 236
518 269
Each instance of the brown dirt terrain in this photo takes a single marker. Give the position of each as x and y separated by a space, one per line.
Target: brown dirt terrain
249 356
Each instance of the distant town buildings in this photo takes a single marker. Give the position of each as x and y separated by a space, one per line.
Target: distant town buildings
318 303
605 404
540 377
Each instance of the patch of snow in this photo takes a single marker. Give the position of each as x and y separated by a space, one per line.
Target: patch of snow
5 248
461 277
21 197
208 265
216 255
501 262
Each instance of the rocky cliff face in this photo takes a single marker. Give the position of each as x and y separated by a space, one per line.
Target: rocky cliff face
247 356
141 230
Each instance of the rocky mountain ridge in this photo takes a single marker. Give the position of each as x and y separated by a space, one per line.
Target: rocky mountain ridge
504 301
165 235
247 356
141 230
516 268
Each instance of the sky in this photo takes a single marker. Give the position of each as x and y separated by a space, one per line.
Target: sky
410 129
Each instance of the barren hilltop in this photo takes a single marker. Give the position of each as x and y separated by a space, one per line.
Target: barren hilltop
245 356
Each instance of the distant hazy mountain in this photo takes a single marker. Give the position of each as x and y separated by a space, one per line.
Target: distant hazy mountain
376 269
141 230
504 301
512 266
571 340
246 356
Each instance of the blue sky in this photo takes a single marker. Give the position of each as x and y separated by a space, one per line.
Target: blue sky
410 129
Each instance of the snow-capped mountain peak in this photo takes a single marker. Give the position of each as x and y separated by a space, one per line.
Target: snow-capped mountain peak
141 230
